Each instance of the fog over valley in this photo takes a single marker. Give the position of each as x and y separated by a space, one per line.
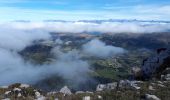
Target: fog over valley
16 36
84 49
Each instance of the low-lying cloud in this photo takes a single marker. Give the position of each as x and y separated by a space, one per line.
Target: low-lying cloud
14 69
69 64
99 49
104 27
14 37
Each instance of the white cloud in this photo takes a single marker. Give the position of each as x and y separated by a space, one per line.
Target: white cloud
99 49
13 69
79 27
14 37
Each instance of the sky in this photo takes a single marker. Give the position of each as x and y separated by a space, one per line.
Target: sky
39 10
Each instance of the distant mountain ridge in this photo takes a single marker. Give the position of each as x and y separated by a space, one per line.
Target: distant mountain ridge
100 21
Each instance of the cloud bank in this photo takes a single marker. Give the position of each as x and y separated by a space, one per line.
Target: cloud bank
110 27
13 69
70 65
98 48
14 37
104 27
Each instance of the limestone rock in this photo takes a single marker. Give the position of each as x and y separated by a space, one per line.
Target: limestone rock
154 66
24 86
101 87
128 84
65 90
86 98
151 97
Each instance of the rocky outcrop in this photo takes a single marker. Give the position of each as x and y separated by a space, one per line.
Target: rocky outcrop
135 90
109 86
122 84
153 67
126 84
20 91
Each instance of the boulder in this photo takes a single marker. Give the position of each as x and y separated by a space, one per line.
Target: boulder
7 92
101 87
37 94
151 97
86 98
111 86
126 84
24 86
99 97
108 86
65 90
16 89
151 88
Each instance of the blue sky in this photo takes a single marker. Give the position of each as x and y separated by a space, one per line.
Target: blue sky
38 10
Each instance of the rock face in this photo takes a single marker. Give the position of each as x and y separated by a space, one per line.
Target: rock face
156 65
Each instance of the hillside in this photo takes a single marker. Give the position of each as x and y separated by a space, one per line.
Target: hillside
115 76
